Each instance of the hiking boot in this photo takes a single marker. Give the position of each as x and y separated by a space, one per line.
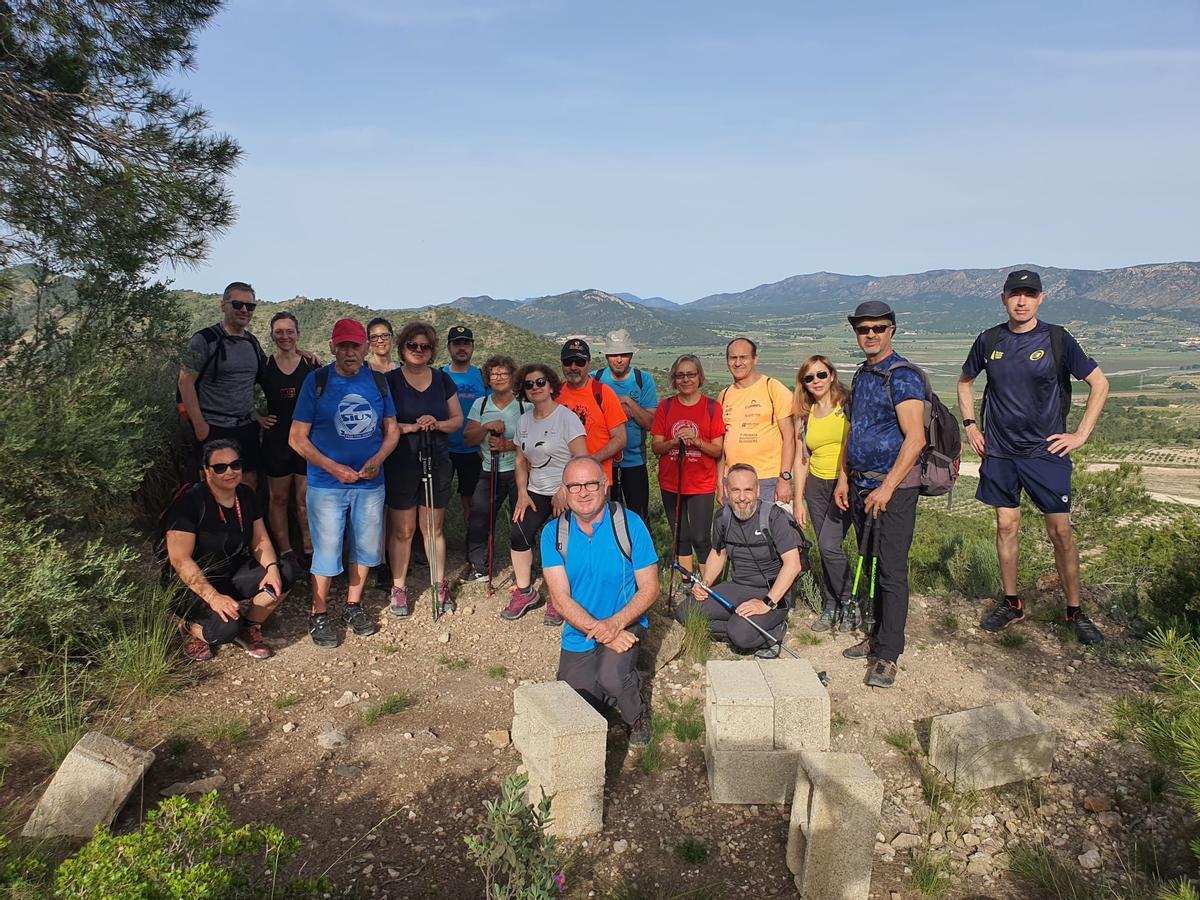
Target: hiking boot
473 576
773 651
862 650
1001 617
639 731
882 674
358 621
445 602
825 621
322 630
1085 630
553 616
399 604
522 601
251 640
848 620
194 648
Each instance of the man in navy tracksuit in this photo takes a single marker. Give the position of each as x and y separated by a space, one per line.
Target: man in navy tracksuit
1025 444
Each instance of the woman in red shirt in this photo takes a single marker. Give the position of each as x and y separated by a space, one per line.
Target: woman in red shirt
688 436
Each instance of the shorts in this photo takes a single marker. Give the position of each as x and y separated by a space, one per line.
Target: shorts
1045 479
524 534
242 585
247 436
405 489
279 459
467 467
328 509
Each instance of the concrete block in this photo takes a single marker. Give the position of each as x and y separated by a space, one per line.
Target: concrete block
801 704
739 710
89 788
573 811
991 745
835 816
750 776
558 731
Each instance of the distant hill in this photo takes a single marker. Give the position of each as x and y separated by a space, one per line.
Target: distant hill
648 302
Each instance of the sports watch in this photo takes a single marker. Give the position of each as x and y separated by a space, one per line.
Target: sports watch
967 423
786 476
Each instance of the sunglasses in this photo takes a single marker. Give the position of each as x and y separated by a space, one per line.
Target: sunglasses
815 376
247 305
578 487
418 348
575 363
381 337
532 383
222 468
871 329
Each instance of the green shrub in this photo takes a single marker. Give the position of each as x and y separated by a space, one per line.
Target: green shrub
186 849
518 859
973 568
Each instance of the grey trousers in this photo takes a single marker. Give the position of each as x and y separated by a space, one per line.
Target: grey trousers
605 678
724 625
830 525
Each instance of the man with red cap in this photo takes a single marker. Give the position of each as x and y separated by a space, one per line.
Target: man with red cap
344 427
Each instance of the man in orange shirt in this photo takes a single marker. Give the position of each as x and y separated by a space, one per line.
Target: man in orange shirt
596 405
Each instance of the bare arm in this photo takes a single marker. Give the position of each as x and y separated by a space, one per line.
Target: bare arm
615 445
452 424
787 432
792 567
966 409
180 547
191 402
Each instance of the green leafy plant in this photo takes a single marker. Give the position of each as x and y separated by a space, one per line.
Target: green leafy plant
286 701
691 851
1011 640
1040 867
901 738
513 851
454 663
687 722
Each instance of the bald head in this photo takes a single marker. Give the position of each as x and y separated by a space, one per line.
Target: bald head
583 468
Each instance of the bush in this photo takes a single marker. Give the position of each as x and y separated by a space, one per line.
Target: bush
518 859
973 568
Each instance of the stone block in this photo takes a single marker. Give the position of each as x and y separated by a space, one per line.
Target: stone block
573 811
990 746
801 704
739 710
558 731
89 788
750 776
835 816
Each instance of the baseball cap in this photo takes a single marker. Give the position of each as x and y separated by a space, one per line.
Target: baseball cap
348 331
575 347
872 309
459 333
1023 278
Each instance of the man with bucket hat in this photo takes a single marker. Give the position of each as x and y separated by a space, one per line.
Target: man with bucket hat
638 397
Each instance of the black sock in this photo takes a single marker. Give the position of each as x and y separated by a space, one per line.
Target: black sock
1013 600
1072 612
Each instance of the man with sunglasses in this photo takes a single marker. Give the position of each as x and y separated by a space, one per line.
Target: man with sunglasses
596 404
878 479
1025 444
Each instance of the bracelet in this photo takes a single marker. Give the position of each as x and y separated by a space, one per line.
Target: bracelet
272 563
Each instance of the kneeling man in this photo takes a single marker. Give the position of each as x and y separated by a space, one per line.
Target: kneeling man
764 544
601 569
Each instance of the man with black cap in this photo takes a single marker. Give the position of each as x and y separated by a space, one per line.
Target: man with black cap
596 404
878 479
1025 444
467 463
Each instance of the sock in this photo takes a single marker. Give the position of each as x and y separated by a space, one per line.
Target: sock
1072 612
1013 600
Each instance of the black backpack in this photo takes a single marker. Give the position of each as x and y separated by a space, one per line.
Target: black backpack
215 340
991 338
765 512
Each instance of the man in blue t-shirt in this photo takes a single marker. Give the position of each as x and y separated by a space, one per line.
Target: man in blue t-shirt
344 427
638 397
1024 443
878 481
603 593
467 463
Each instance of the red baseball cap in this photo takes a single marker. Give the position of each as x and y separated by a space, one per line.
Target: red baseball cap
348 331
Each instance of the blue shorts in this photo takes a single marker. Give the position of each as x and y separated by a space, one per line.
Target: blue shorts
1045 479
328 510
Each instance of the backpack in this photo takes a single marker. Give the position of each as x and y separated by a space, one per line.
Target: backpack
616 518
637 376
939 461
765 511
991 338
322 381
215 335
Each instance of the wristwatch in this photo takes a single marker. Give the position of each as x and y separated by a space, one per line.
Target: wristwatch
967 423
771 604
786 476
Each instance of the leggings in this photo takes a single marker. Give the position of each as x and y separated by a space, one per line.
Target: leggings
695 522
830 525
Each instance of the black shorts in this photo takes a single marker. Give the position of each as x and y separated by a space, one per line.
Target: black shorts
404 489
247 437
279 459
525 534
467 467
242 585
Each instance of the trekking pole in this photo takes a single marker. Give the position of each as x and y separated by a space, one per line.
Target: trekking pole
693 579
430 548
874 568
675 535
863 549
491 518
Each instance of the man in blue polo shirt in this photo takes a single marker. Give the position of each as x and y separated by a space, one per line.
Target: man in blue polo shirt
1025 444
602 589
638 397
878 480
467 463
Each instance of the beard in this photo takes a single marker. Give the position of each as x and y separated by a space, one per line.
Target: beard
743 516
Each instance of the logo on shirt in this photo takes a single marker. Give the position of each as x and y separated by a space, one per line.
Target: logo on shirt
997 354
1036 355
355 418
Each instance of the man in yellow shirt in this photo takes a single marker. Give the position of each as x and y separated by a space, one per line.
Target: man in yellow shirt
758 424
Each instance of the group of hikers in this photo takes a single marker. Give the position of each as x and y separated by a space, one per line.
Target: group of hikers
368 449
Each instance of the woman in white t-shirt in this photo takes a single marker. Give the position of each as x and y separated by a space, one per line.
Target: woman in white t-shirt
548 436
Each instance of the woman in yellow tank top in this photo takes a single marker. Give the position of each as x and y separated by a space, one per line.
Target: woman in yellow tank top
821 429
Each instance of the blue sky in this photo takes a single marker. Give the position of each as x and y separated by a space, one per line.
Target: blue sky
405 153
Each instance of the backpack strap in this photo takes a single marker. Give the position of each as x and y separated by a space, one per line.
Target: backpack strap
1057 339
598 393
637 376
322 379
380 385
991 338
213 335
617 519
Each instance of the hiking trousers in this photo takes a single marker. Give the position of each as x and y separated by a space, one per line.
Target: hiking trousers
830 525
631 487
891 536
478 524
733 629
605 678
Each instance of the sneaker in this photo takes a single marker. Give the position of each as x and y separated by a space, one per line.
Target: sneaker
473 576
358 621
522 601
399 605
251 640
553 616
779 632
445 602
322 631
825 621
882 674
639 731
862 650
1085 629
1001 617
194 648
848 620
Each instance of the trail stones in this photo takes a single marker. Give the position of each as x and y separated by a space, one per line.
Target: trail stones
662 643
89 788
831 833
991 745
332 738
199 786
561 740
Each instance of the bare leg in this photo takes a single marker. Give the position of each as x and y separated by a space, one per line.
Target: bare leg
402 525
1066 554
522 561
438 538
250 479
358 579
1008 529
301 485
262 606
277 512
320 593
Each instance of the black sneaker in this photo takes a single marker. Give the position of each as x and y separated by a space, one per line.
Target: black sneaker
322 631
1085 630
471 576
1001 617
358 621
862 650
639 731
775 649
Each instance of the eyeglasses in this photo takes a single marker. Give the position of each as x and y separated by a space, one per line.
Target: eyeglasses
222 468
243 304
531 383
815 376
578 487
418 348
574 363
685 376
381 337
871 329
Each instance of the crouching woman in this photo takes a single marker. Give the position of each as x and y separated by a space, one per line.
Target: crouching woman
219 547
